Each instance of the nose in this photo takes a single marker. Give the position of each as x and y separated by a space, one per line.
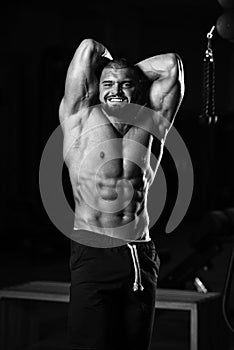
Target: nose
116 89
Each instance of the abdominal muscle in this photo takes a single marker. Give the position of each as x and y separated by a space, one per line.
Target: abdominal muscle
125 227
114 206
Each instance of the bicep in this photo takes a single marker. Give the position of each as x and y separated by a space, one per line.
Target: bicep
80 82
81 86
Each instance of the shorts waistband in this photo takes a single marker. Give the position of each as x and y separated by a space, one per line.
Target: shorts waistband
98 240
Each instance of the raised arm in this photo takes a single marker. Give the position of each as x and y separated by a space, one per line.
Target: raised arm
166 89
81 85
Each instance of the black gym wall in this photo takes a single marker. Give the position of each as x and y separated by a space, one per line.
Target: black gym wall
38 40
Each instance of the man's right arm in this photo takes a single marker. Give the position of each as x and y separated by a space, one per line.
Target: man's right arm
81 85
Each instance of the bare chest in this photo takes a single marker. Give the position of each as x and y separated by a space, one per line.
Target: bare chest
102 149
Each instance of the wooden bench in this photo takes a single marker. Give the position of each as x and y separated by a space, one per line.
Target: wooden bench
18 325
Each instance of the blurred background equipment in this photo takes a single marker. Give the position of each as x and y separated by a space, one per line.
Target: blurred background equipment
225 25
215 230
226 3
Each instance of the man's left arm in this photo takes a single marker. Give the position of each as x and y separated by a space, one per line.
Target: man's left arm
166 90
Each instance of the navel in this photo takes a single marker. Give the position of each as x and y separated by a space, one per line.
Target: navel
102 154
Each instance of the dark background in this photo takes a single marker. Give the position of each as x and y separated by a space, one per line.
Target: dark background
38 40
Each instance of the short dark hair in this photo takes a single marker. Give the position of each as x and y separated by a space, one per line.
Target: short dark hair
119 63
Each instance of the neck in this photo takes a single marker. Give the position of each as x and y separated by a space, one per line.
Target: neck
122 126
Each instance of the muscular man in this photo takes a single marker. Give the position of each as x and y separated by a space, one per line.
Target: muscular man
107 148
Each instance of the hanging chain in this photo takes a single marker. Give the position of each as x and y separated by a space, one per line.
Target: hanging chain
208 101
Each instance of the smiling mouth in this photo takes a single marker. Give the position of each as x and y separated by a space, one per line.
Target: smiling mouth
116 99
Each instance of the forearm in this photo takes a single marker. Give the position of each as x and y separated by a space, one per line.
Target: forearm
88 55
159 66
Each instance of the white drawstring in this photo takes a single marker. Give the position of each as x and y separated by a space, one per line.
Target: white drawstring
136 264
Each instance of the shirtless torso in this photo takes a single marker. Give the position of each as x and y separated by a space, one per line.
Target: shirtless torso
107 154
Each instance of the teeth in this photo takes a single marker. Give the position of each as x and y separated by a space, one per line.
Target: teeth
116 99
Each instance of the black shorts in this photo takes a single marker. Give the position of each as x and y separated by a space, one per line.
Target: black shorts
105 313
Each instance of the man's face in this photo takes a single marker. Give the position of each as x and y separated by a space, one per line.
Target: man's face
117 88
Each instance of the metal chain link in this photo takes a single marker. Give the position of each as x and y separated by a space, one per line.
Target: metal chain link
208 96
